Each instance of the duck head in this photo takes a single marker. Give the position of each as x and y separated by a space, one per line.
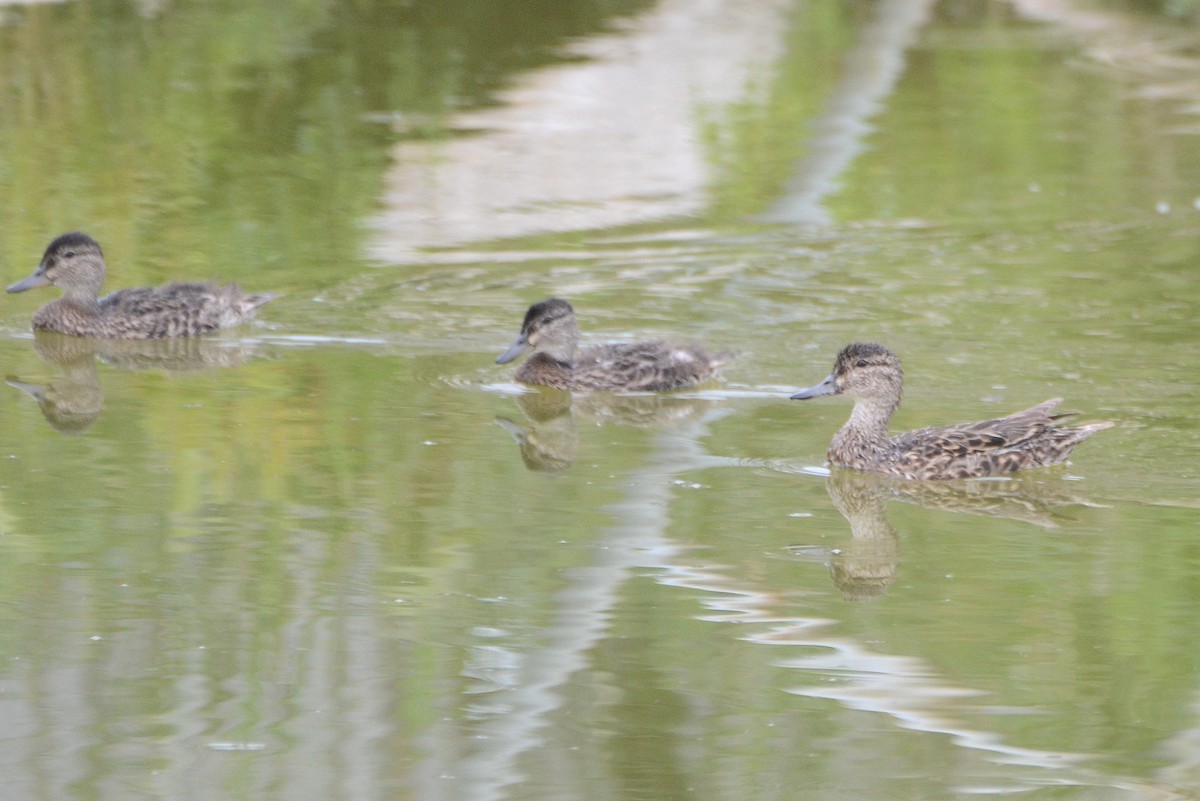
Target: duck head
549 328
864 371
73 262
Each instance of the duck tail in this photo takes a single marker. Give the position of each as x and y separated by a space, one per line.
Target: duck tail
1087 429
259 299
718 360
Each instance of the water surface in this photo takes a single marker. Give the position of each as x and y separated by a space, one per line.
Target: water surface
340 554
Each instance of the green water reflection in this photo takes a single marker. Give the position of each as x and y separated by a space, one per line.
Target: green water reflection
339 554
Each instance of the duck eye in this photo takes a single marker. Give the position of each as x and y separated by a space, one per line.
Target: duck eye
70 254
861 363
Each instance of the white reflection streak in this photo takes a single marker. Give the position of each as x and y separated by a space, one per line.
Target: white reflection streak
1184 748
608 140
872 68
580 624
902 687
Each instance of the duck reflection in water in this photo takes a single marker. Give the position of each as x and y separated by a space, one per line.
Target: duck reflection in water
868 565
72 403
549 441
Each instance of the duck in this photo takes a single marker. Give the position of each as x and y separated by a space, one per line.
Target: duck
551 331
871 374
74 263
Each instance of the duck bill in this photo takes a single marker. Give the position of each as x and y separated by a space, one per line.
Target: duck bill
37 279
34 391
517 432
826 387
515 350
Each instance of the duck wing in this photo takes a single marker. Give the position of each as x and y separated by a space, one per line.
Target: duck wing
179 309
1029 438
645 367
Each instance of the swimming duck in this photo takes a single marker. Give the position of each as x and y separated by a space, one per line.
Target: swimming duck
550 329
74 263
871 374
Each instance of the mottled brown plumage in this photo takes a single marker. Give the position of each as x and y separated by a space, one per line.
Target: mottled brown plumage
871 374
551 330
74 263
